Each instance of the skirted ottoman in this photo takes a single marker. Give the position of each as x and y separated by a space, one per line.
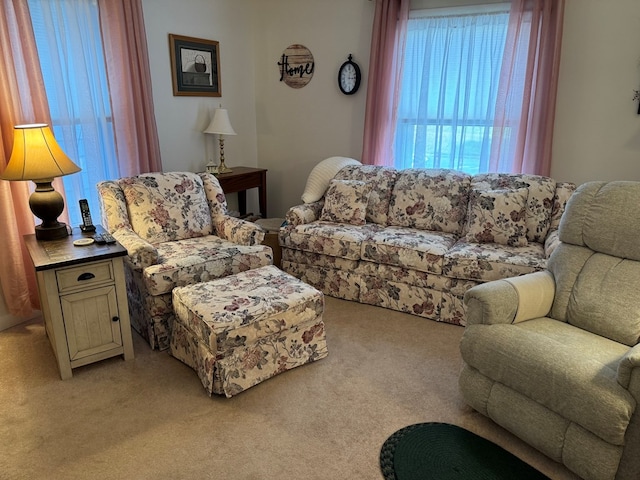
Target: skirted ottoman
240 330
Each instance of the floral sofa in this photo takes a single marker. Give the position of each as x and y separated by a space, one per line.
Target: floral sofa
177 232
416 240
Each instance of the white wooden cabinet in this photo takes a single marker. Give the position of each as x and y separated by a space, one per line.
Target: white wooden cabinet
83 300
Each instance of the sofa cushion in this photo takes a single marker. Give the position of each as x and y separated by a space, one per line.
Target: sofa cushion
570 371
430 199
327 238
406 247
381 180
194 260
497 216
346 202
539 203
167 206
490 261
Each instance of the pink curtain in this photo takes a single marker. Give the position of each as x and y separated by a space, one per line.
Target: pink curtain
383 84
525 110
129 76
23 100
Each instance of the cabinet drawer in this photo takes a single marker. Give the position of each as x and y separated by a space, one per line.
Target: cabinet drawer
84 276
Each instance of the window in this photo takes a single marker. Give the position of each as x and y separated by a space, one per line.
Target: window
73 66
450 81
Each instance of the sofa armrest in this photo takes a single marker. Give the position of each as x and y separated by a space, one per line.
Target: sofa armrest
306 213
627 365
551 243
238 231
510 300
141 253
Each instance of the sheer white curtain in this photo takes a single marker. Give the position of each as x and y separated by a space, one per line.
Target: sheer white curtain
449 87
71 57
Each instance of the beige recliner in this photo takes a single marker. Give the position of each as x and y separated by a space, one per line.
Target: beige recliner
553 356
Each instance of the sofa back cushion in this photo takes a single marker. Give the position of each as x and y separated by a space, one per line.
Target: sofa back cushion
430 199
167 206
540 200
381 179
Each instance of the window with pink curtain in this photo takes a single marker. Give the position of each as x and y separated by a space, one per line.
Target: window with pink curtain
477 90
103 41
91 93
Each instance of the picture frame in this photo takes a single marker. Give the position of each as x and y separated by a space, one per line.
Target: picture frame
195 65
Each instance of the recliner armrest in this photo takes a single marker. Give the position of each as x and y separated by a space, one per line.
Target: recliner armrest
510 300
627 365
141 253
238 231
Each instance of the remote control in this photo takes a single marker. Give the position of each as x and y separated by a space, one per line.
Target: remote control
99 239
108 238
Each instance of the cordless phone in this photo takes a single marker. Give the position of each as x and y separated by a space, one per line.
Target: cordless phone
87 223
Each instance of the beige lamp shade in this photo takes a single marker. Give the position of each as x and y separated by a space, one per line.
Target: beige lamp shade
36 155
220 123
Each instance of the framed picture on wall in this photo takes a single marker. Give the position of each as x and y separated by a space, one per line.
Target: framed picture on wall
195 65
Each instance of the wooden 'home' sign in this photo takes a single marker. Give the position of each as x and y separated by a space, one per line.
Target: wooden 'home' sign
296 66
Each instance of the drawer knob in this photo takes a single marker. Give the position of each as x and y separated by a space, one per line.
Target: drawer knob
115 319
86 276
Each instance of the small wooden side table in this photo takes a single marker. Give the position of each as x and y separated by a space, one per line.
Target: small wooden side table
83 299
239 180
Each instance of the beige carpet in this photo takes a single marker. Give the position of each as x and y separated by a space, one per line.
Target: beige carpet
151 419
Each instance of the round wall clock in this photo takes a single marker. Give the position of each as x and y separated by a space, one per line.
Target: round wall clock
349 77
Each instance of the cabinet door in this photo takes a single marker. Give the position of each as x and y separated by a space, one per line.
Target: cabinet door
89 322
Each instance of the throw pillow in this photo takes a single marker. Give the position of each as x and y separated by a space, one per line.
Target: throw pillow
321 175
346 202
498 216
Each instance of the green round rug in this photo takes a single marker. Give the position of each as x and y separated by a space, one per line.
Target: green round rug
441 451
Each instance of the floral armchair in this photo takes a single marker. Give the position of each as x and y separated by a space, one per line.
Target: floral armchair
177 232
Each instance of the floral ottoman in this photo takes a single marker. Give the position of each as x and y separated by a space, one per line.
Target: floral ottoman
240 330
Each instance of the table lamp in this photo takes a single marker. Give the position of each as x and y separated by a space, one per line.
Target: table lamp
222 126
37 156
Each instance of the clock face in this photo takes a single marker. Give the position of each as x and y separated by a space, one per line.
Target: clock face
349 78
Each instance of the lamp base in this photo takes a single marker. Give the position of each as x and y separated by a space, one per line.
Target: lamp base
52 232
47 205
222 168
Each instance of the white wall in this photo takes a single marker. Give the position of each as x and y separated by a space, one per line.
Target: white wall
299 127
597 128
181 119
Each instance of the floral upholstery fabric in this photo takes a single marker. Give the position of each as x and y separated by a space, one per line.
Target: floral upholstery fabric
564 190
197 260
166 207
539 200
381 180
346 202
498 216
215 195
113 206
405 247
491 261
327 238
430 199
154 267
415 257
241 330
